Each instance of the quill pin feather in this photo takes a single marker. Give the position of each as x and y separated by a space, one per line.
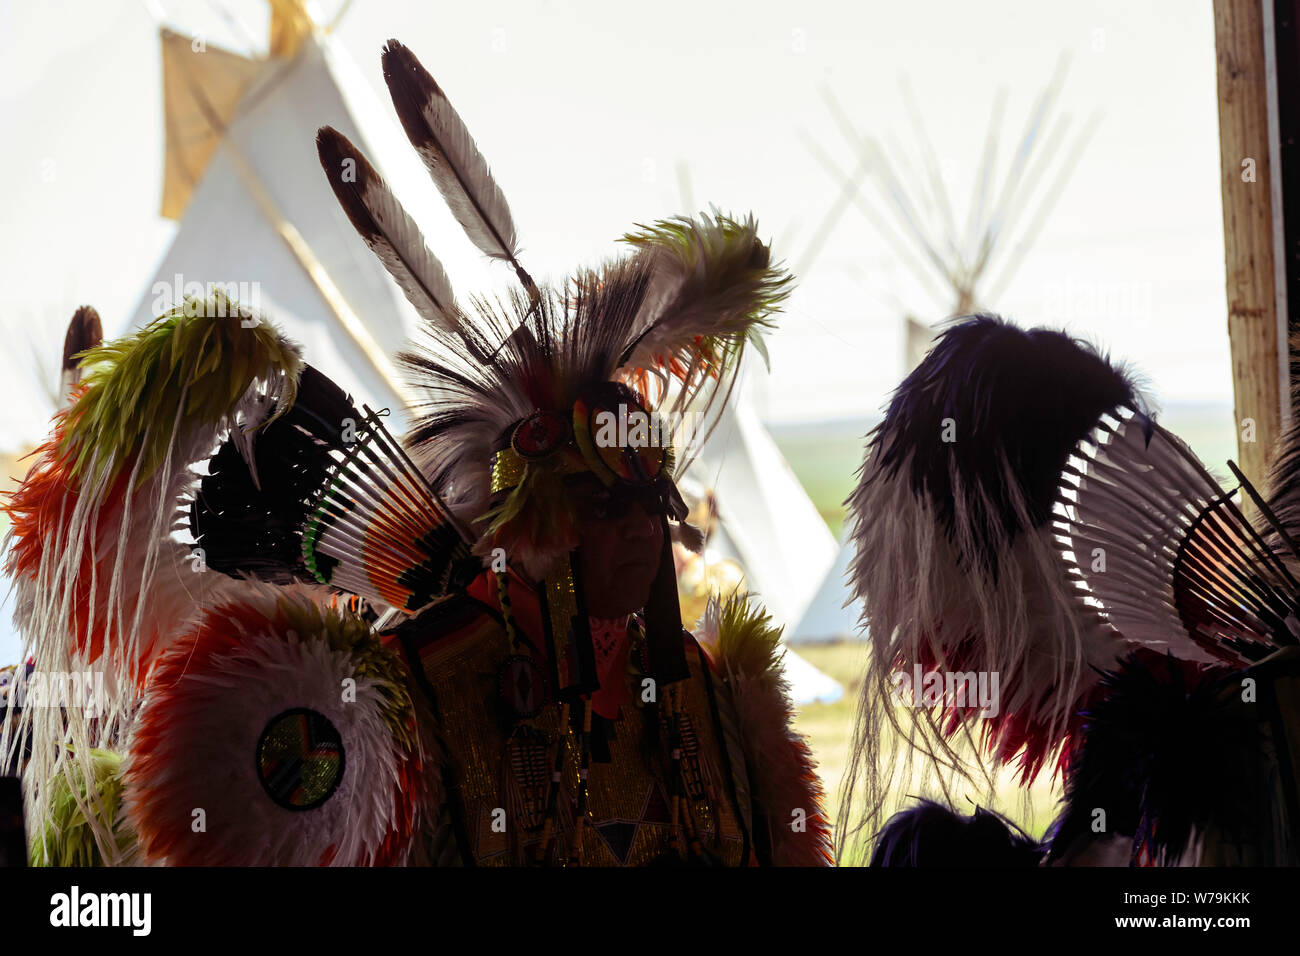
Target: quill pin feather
458 169
387 229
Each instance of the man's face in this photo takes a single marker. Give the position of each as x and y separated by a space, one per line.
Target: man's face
619 550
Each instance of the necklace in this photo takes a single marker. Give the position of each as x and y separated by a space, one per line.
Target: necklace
572 741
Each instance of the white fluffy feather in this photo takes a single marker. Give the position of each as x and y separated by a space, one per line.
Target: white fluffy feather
217 718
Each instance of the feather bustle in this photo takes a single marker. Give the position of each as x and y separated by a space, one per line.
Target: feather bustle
956 561
744 647
101 583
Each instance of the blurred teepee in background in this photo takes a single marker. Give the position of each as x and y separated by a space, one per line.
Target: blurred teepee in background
963 267
242 178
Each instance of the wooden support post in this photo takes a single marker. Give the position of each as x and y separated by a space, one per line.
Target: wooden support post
1248 238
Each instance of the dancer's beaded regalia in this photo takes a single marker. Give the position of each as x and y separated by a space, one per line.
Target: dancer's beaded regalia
317 644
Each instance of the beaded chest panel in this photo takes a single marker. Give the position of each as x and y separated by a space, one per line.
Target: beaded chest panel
501 764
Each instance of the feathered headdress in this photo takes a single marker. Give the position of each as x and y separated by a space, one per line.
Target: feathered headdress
510 390
955 559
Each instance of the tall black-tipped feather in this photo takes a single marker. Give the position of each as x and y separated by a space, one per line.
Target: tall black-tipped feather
85 331
387 228
458 169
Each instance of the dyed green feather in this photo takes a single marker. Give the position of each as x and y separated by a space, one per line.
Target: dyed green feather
744 637
729 285
200 351
780 772
67 838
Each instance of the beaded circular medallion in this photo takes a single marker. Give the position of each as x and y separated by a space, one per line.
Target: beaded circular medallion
540 435
300 759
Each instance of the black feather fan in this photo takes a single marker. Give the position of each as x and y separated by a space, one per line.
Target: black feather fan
253 526
1166 755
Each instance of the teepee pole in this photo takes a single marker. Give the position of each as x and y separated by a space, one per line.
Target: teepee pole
306 257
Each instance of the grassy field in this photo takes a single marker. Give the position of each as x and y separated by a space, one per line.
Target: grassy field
829 729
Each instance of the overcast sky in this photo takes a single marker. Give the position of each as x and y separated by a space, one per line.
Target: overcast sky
587 110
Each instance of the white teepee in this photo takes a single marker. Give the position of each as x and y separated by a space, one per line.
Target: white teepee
769 526
255 212
833 614
766 521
